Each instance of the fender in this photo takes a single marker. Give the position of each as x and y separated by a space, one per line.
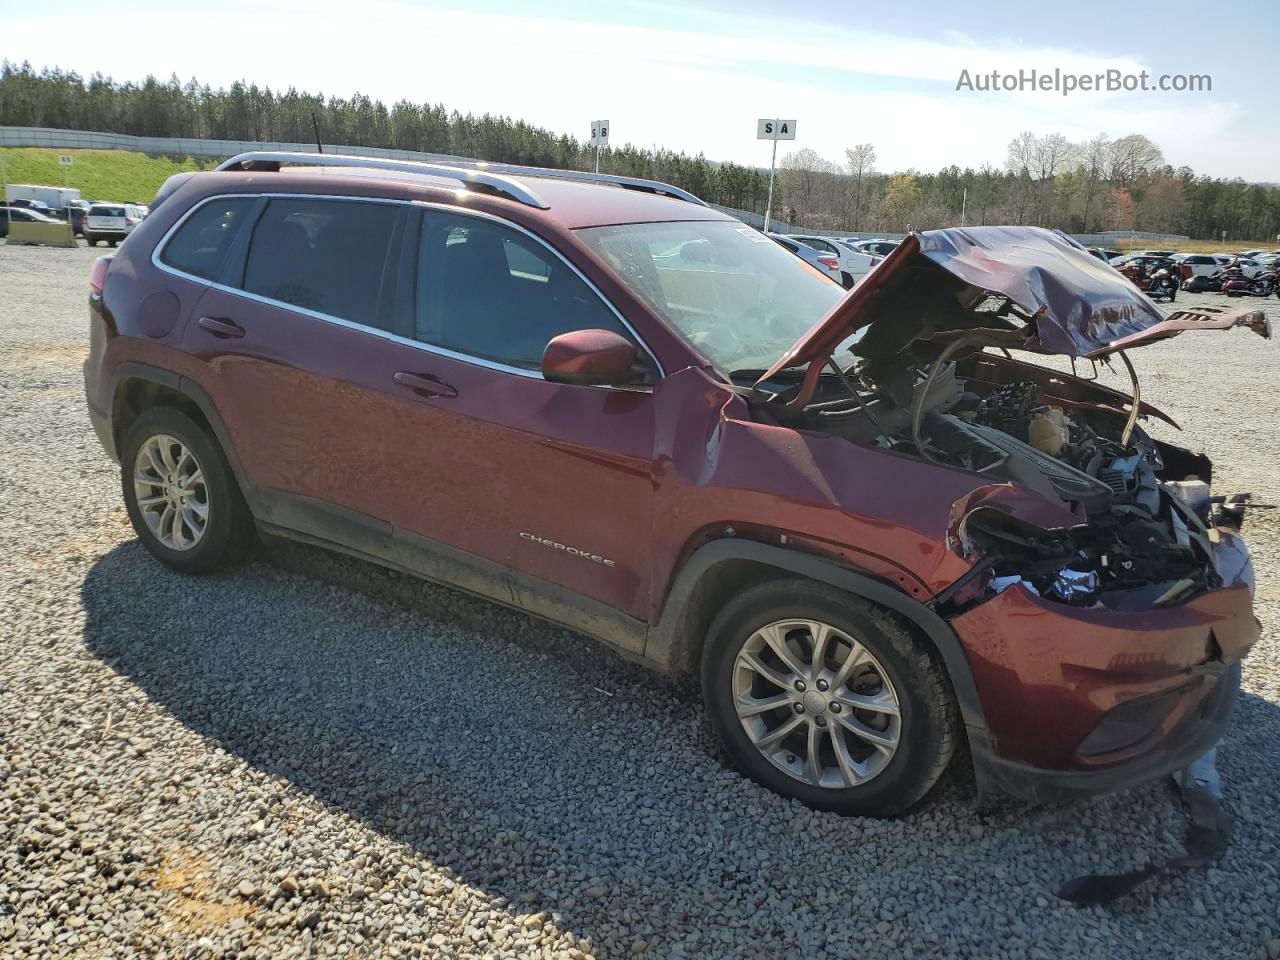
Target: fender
132 370
670 646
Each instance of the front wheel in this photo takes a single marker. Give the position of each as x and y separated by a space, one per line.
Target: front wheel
181 496
828 699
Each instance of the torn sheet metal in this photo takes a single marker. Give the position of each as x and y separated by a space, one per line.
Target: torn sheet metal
1207 839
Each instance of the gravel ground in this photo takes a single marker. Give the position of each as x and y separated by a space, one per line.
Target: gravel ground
312 756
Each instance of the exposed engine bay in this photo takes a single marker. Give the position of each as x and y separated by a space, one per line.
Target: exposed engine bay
1148 531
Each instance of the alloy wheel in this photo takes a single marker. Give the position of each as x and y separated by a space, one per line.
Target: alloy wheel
170 491
816 703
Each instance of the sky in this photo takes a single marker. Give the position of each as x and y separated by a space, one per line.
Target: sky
696 76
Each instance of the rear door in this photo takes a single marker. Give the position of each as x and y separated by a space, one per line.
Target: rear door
298 348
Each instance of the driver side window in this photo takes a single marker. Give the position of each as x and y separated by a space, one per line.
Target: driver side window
489 291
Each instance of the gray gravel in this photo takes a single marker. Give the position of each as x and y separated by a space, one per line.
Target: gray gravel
312 756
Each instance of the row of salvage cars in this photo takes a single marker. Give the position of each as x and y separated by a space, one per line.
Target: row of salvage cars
1162 273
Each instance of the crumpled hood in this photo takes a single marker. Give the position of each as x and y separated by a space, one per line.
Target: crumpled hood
1086 304
1080 306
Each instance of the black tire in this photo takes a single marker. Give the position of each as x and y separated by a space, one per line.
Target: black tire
929 719
230 535
112 243
90 239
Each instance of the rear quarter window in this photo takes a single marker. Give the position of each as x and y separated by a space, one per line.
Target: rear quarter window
200 245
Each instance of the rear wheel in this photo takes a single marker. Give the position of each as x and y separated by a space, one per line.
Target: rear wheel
90 239
181 496
112 243
828 699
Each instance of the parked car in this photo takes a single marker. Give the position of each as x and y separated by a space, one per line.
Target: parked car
111 222
876 248
864 533
827 263
1152 253
854 264
1251 268
77 215
1106 256
26 203
1198 265
21 215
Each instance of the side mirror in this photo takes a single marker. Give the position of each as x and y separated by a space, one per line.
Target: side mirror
592 357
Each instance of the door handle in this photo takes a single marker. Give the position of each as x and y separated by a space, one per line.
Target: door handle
221 326
424 384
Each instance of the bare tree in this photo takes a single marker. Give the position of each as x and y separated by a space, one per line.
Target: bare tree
1130 157
1021 161
1021 153
861 163
1093 157
803 171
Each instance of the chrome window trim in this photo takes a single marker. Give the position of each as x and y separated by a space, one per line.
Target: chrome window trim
385 334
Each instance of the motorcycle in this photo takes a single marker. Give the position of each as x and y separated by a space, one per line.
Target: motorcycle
1262 285
1211 283
1158 280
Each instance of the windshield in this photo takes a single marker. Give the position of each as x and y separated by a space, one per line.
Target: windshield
738 297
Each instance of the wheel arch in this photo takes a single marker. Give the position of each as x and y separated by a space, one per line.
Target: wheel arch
721 568
139 386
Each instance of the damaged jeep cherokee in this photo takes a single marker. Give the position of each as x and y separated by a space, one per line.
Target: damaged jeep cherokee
866 525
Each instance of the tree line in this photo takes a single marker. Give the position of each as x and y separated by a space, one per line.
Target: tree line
1047 180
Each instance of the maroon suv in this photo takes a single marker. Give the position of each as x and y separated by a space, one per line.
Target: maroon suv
868 527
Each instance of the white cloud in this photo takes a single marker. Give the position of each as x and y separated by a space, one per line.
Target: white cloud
688 90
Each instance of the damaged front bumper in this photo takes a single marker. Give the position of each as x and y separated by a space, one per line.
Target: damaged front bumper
1081 701
1201 728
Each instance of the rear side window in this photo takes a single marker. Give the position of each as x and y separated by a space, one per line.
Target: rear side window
491 292
201 244
330 256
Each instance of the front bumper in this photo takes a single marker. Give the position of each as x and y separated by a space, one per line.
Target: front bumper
1087 700
1199 730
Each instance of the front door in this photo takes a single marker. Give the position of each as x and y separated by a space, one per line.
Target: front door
551 480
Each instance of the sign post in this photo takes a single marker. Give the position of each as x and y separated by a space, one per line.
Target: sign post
774 130
65 160
599 138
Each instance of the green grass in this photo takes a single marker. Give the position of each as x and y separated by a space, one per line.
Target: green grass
99 174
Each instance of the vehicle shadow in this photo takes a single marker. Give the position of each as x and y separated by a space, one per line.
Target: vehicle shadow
523 758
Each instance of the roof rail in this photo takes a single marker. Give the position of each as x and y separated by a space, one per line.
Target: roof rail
552 173
271 160
472 173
